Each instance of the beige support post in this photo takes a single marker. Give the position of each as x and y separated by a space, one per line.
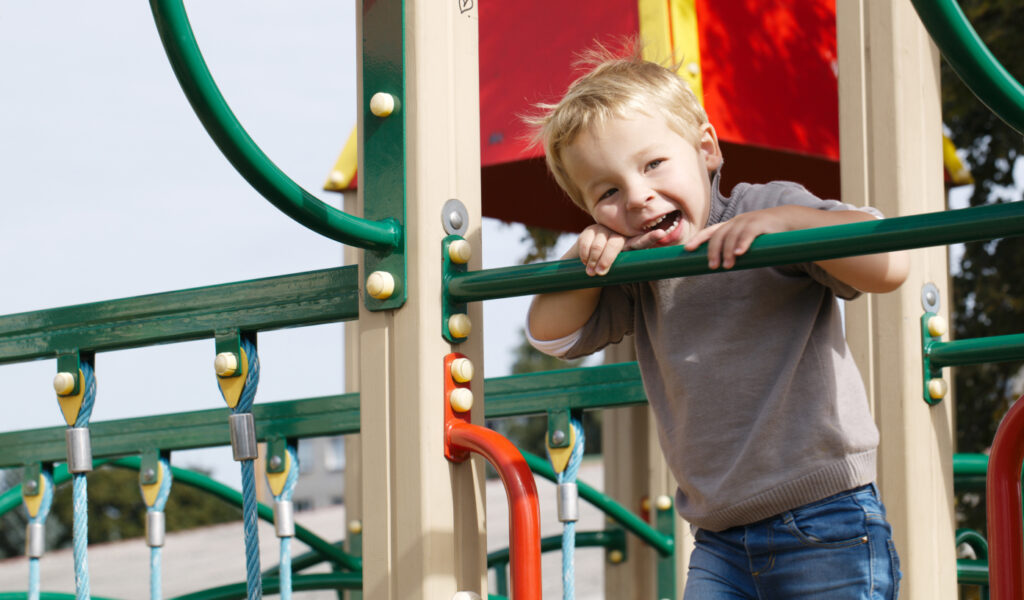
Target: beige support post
423 518
353 443
890 132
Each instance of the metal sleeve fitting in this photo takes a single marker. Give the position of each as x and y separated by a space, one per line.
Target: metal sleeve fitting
155 528
568 503
284 518
35 540
243 436
79 449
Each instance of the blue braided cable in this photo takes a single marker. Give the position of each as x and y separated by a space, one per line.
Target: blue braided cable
569 475
155 552
44 511
286 542
254 584
80 492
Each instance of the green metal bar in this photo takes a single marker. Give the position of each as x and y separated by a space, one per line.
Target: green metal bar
972 61
584 539
243 153
1000 348
576 389
970 465
327 415
325 296
301 562
869 237
12 498
971 572
975 540
272 585
654 538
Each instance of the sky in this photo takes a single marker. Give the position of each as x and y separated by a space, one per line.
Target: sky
111 188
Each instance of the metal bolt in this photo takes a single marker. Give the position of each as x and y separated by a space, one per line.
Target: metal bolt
226 364
558 437
382 104
455 219
32 486
380 285
63 383
149 474
275 462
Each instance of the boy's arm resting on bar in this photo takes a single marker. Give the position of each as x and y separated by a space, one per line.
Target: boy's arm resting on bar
558 314
873 273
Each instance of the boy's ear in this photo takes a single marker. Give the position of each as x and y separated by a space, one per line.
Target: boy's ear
709 148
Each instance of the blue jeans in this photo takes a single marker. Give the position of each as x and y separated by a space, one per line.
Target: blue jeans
838 548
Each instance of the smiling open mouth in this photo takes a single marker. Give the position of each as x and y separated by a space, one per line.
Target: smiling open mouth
668 222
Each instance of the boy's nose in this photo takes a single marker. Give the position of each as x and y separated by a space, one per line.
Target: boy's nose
637 198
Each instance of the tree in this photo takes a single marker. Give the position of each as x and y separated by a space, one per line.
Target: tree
988 296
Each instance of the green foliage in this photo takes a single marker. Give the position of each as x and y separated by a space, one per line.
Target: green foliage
988 296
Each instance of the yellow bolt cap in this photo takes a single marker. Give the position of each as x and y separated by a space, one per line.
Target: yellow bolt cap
459 251
380 285
938 388
459 325
462 370
226 364
63 383
664 502
355 526
615 556
937 326
382 104
461 399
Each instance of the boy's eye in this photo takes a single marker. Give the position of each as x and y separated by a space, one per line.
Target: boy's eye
607 194
654 164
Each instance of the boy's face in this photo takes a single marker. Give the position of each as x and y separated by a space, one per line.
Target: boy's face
636 174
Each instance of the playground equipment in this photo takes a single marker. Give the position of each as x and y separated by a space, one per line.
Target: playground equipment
419 304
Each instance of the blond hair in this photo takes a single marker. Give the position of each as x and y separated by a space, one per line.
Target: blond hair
613 86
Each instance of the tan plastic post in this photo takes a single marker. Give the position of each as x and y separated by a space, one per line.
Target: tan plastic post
353 443
890 134
423 518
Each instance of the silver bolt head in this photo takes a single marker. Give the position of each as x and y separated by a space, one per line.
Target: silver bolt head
149 473
558 437
31 486
275 462
455 220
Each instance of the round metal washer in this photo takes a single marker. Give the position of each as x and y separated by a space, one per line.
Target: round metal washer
454 217
930 297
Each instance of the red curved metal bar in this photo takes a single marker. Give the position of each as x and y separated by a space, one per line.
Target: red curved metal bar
1005 528
523 507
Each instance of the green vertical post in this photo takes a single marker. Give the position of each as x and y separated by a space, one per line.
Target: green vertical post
664 520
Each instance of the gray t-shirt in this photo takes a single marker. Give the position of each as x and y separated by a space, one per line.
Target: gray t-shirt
759 405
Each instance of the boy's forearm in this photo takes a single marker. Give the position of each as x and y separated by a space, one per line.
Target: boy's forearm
873 273
556 315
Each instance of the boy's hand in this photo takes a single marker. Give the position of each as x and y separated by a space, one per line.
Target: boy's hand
598 246
732 238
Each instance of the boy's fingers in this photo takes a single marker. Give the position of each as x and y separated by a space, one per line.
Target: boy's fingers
646 240
611 250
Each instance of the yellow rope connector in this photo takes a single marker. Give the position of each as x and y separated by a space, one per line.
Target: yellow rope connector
232 385
151 490
71 404
560 456
32 503
277 480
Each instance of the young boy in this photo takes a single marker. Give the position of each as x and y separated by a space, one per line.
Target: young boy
761 412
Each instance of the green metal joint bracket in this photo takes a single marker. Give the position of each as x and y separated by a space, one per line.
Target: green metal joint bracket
383 172
664 521
559 428
449 268
229 341
71 362
933 327
277 450
31 479
149 466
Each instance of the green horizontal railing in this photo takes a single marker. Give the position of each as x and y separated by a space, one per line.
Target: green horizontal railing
327 415
604 386
243 153
822 243
12 498
1000 348
969 471
311 298
972 61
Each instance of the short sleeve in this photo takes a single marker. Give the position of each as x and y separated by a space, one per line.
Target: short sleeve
612 320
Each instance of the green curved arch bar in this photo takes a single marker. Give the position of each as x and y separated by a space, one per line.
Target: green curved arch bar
242 152
12 498
972 60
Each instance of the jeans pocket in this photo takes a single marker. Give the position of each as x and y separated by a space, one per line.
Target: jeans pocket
834 524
